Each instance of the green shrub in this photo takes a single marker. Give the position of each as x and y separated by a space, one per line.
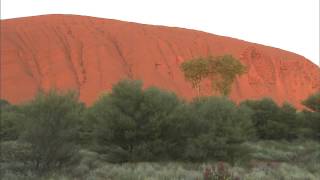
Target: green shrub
311 118
9 122
313 102
131 123
50 126
272 121
310 124
15 151
288 121
182 125
143 125
4 103
224 128
86 129
14 158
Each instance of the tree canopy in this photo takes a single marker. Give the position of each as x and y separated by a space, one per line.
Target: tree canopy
195 71
221 70
313 102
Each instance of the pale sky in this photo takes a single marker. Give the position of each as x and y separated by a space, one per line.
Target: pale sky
291 25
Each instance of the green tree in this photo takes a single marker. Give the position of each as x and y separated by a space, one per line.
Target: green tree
50 127
222 71
181 126
289 118
265 112
311 117
195 71
224 128
132 122
309 124
313 102
272 121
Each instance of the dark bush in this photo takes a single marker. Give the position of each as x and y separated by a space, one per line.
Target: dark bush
132 122
136 124
4 103
272 121
311 117
309 125
182 125
313 102
224 127
146 125
15 156
50 126
9 122
289 122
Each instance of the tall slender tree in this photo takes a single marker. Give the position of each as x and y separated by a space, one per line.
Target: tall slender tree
221 70
195 71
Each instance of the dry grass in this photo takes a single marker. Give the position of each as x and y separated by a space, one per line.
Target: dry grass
269 160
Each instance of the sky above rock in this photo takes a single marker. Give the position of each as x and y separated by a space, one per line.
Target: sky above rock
291 25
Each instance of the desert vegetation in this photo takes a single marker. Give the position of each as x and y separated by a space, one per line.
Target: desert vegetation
136 133
221 70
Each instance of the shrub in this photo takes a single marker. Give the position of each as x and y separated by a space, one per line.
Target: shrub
131 122
4 103
14 158
272 121
224 128
182 125
9 122
288 119
86 129
313 102
310 124
15 151
50 127
311 118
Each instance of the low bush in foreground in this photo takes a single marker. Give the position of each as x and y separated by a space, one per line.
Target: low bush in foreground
48 133
224 127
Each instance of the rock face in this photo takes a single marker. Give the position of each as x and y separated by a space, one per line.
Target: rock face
91 54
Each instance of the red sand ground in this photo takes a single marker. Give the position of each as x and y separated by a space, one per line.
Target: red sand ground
91 54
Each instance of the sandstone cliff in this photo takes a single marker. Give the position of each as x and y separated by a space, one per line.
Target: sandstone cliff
91 54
